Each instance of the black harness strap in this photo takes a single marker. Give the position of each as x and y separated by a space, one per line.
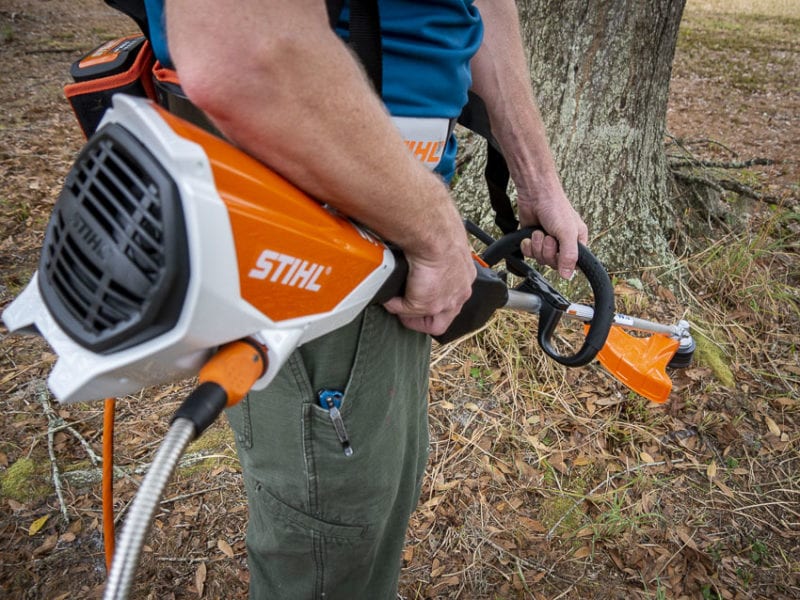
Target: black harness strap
365 35
497 178
475 117
135 10
334 10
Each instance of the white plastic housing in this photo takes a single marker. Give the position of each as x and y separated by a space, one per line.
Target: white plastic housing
214 312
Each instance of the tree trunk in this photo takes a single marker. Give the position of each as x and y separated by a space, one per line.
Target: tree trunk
601 73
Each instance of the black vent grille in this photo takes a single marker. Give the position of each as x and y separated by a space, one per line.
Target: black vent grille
114 267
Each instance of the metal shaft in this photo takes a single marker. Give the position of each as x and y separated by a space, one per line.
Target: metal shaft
140 516
532 303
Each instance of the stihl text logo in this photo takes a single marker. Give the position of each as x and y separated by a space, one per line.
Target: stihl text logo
288 270
429 153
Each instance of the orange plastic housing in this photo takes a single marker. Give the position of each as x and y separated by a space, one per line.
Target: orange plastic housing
295 258
640 363
235 367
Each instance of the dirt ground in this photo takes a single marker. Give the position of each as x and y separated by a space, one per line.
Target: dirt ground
543 483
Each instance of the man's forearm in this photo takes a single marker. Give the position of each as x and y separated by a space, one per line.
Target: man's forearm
278 82
299 102
501 77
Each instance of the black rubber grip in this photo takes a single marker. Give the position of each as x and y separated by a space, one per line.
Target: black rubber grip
553 303
489 293
203 406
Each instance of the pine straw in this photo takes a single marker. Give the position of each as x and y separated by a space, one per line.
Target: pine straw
549 482
560 481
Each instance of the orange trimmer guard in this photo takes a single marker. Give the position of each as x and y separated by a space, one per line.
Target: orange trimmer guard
640 363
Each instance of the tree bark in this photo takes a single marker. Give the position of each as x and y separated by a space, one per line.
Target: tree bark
601 71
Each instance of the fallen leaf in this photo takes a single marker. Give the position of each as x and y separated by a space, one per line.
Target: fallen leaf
585 532
535 578
724 489
711 471
37 525
75 527
16 506
433 502
610 401
443 487
582 552
666 294
532 524
617 559
773 426
48 544
686 537
200 579
225 548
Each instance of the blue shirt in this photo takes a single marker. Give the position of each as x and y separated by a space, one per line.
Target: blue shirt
427 47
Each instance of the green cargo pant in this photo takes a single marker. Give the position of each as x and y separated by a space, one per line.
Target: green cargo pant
323 524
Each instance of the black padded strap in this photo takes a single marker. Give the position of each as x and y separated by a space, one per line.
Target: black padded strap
365 35
475 117
497 177
135 10
334 10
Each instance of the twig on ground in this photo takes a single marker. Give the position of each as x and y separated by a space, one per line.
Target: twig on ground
698 179
199 559
56 424
744 190
680 161
681 143
52 419
190 495
720 185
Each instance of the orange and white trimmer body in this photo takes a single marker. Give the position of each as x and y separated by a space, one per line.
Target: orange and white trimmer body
143 275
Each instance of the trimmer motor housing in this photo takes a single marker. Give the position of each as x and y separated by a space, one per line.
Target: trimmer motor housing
167 242
114 267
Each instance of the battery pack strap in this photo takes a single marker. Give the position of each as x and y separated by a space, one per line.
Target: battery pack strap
135 9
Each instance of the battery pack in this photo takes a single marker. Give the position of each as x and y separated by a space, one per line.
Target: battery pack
121 66
170 95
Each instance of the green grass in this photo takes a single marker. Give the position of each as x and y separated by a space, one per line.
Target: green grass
765 49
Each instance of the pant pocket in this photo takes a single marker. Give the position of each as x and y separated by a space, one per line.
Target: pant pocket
296 555
295 521
239 420
384 411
